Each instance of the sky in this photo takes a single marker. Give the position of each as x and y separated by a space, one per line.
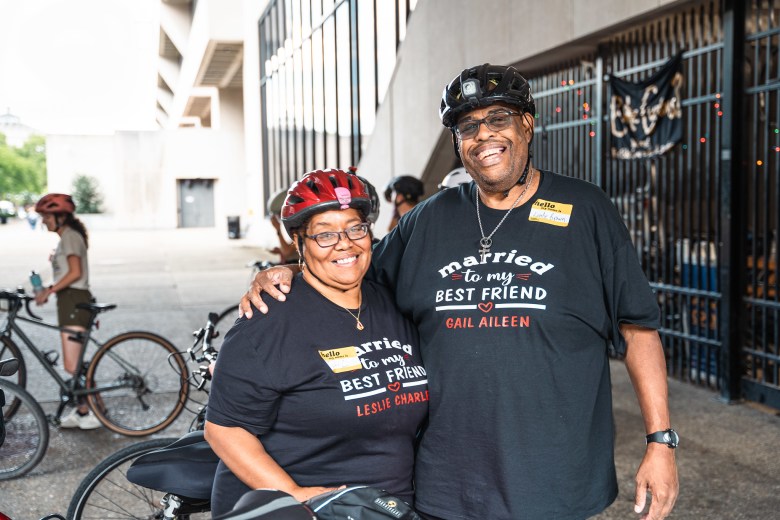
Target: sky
79 66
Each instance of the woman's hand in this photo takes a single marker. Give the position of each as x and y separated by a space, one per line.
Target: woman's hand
43 296
266 280
302 494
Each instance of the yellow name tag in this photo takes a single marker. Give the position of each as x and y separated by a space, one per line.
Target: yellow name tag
343 359
555 213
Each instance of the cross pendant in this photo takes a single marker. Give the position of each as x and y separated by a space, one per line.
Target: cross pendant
485 242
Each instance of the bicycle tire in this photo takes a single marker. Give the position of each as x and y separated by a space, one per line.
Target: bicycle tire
224 315
9 349
27 434
106 493
150 380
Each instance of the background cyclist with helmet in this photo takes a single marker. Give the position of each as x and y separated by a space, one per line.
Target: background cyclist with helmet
286 250
519 284
404 193
328 389
70 283
455 178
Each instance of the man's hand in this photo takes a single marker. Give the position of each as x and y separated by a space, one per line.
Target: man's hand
657 475
266 280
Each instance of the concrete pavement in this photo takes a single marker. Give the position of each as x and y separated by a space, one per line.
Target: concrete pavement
166 282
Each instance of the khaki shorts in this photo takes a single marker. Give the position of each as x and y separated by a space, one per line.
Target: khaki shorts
67 313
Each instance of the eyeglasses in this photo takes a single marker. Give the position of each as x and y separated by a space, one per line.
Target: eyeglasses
331 238
496 121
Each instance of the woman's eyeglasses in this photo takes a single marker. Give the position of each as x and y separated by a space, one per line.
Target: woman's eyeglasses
331 238
496 121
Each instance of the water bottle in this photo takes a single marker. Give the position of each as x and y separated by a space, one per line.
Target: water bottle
35 280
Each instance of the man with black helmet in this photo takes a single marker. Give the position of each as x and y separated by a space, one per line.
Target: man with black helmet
519 284
404 193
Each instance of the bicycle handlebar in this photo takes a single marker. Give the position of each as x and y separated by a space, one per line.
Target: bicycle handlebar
206 352
17 297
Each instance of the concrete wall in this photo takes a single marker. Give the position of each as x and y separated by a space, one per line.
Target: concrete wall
138 172
446 36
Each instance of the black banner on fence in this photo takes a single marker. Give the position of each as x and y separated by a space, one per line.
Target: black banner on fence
646 117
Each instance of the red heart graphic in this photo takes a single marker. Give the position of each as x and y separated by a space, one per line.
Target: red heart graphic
485 307
394 386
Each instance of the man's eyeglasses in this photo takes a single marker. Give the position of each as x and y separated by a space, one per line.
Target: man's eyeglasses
331 238
496 121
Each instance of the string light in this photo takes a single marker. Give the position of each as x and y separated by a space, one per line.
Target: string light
759 162
702 139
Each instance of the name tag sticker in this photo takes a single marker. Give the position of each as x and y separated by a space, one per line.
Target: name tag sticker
554 213
343 359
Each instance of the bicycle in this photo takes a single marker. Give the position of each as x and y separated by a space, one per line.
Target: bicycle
107 493
24 438
125 384
257 266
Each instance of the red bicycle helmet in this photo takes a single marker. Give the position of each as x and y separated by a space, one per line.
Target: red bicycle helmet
320 191
55 203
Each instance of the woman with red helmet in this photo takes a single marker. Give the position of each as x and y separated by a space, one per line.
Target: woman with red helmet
328 389
70 283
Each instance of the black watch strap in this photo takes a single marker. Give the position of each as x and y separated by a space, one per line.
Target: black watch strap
668 437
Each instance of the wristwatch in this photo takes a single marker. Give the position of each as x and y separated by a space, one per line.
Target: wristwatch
668 437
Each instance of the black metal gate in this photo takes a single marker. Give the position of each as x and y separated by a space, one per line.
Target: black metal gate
674 205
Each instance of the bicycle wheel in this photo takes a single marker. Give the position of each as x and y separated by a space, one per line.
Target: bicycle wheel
142 383
227 318
26 433
106 493
8 349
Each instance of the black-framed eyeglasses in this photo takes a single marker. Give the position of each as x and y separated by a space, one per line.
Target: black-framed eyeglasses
331 238
498 120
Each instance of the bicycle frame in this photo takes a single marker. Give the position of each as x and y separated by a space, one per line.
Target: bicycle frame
69 388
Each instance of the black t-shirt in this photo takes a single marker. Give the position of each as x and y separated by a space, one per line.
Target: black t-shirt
331 404
515 347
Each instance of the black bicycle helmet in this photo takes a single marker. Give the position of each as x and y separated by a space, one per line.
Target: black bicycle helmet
482 86
410 187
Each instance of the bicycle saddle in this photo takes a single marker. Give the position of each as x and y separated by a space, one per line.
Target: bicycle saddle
185 468
96 308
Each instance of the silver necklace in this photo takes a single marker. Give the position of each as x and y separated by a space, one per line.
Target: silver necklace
487 241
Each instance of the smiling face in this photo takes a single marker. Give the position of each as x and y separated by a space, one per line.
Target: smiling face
496 159
342 266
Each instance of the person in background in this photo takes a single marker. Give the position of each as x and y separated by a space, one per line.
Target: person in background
455 178
31 216
286 250
520 423
70 284
329 389
404 193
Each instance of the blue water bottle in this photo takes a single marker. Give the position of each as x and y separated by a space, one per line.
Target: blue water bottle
35 280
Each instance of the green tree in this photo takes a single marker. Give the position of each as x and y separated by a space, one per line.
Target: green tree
22 170
86 194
